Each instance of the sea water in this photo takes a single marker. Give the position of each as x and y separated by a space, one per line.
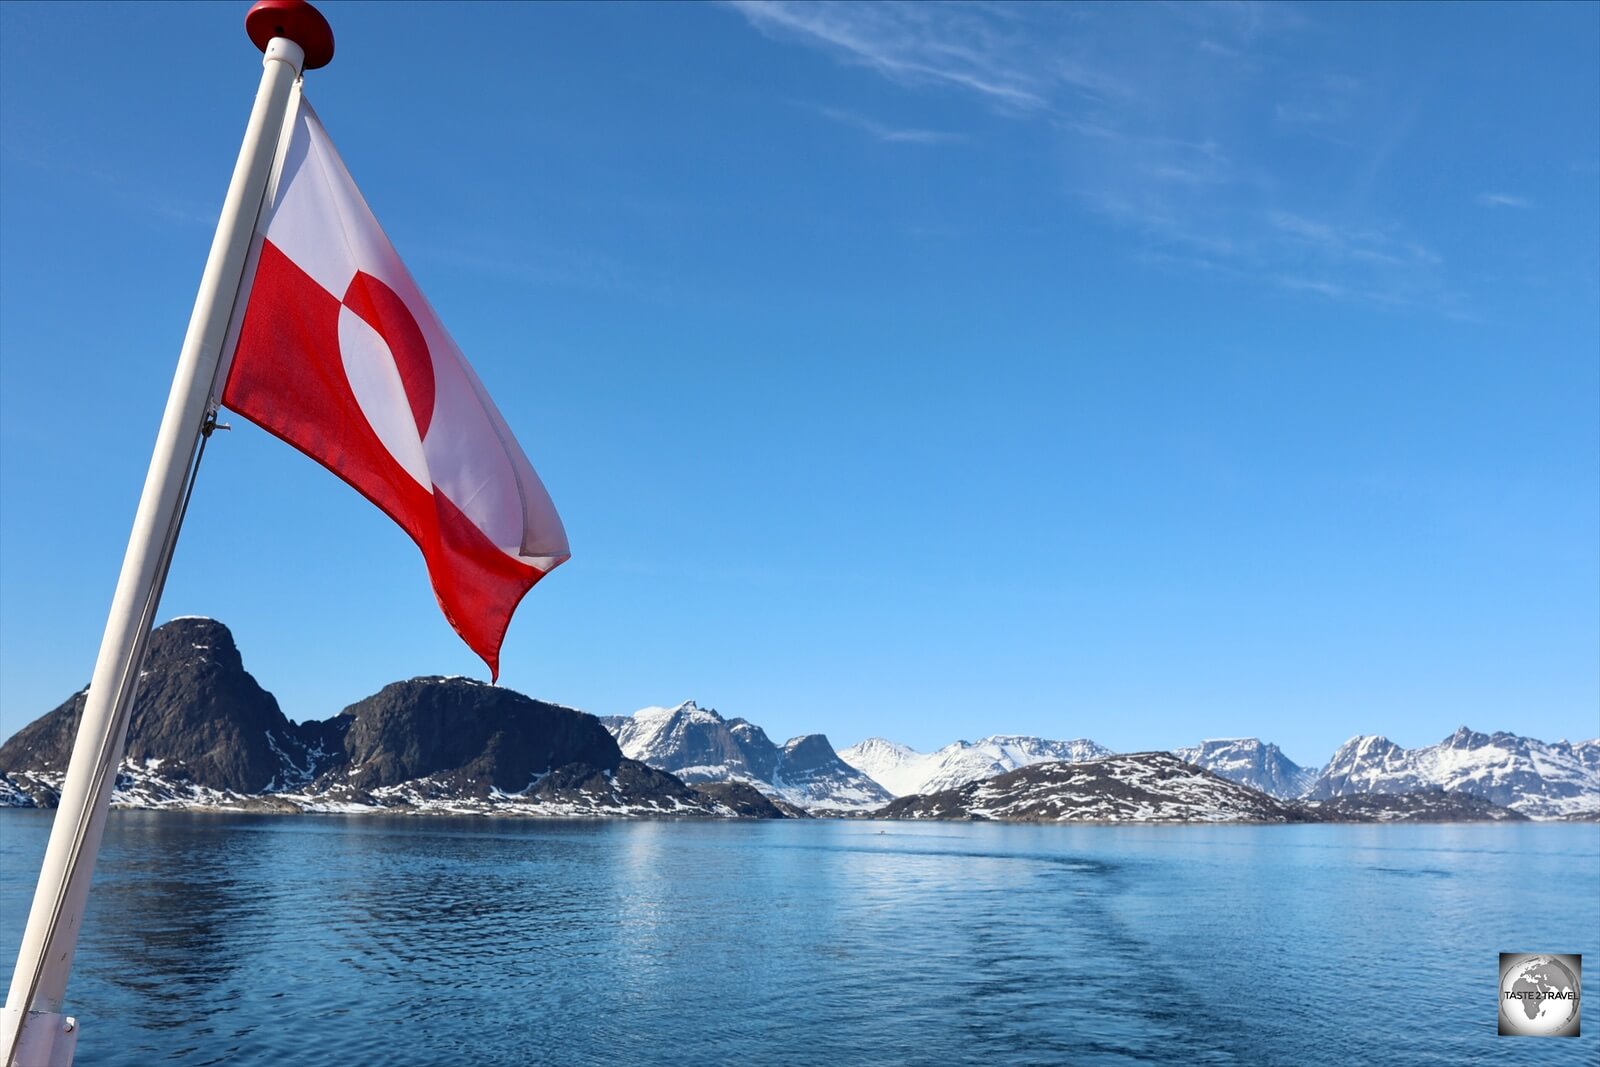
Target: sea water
278 940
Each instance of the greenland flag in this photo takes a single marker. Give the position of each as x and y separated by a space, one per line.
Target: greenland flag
339 355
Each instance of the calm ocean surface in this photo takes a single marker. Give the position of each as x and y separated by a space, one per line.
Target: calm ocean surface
428 941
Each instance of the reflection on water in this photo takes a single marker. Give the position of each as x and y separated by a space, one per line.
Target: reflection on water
272 940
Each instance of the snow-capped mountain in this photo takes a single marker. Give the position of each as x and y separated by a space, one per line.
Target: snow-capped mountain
1140 787
695 743
1522 773
903 770
1588 753
1251 762
900 769
698 745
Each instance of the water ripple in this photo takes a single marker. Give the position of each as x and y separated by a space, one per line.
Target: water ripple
416 943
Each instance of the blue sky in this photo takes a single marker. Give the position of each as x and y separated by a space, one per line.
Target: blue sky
1139 372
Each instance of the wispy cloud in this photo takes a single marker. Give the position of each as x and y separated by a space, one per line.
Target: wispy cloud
1356 244
988 52
1161 119
1217 48
1502 200
1311 285
1319 104
889 134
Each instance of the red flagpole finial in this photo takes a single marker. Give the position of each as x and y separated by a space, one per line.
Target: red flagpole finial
296 20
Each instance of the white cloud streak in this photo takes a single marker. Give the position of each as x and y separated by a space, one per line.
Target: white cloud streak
956 46
1502 200
1160 117
889 134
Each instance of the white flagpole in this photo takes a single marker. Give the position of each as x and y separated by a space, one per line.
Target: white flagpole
33 1032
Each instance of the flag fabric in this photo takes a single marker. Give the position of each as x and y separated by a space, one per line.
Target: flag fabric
338 353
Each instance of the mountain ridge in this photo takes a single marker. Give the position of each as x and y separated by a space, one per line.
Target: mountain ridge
204 733
1543 779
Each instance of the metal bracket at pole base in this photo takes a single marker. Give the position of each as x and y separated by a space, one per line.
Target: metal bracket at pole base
47 1038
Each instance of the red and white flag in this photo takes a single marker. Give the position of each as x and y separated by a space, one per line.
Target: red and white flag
339 354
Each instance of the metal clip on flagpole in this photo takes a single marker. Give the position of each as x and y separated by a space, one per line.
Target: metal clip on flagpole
33 1032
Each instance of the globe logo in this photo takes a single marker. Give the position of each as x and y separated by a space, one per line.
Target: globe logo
1539 995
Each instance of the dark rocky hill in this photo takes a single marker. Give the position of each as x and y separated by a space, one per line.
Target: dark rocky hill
750 802
197 708
204 734
1424 805
466 734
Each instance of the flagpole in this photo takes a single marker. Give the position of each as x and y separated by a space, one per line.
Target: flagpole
33 1032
